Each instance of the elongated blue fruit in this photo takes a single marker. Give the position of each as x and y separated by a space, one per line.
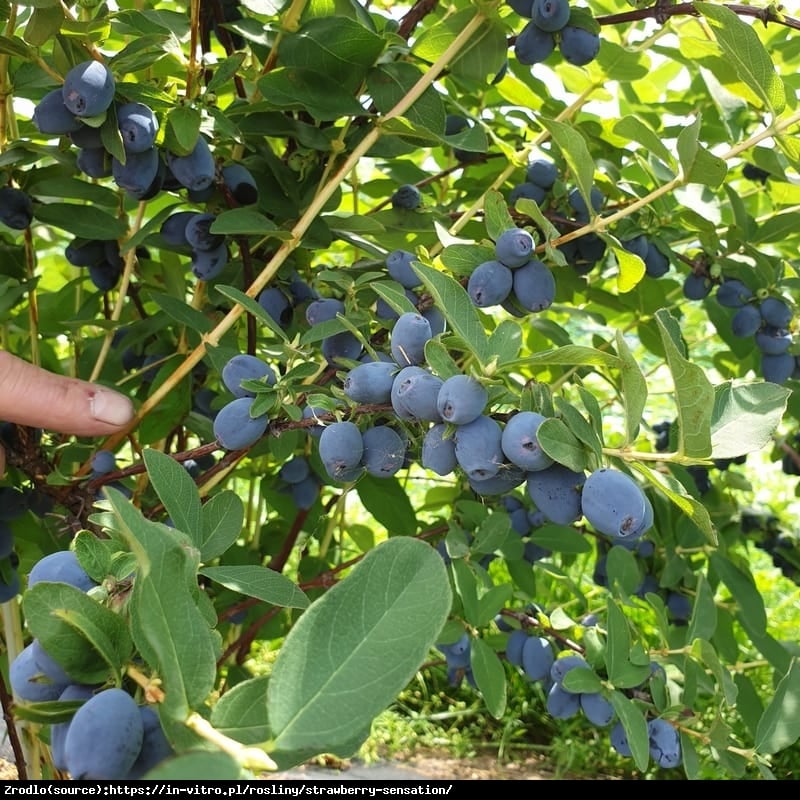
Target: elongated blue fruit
341 448
105 737
88 89
461 399
195 171
234 428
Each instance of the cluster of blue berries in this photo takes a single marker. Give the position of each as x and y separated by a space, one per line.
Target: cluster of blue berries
110 736
549 27
514 278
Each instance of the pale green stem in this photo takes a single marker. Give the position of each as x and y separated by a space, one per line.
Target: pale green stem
635 455
601 223
249 757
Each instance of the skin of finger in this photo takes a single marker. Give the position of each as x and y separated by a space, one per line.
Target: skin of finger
30 395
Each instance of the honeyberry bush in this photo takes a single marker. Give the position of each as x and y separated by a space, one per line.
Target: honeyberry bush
449 330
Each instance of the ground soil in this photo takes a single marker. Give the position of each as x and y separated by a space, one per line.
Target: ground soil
442 766
436 765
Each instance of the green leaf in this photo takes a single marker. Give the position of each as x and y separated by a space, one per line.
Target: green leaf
631 269
582 680
498 219
560 539
638 130
194 766
259 582
466 586
182 127
168 629
694 395
776 227
623 570
743 590
223 520
531 209
482 56
635 726
459 311
748 703
704 652
16 47
745 54
44 24
745 416
491 533
394 296
241 713
490 676
491 602
94 555
634 388
387 501
561 444
80 220
619 642
675 491
141 53
390 83
88 640
505 341
343 648
779 727
47 183
462 259
703 622
439 359
574 355
580 427
182 313
247 222
622 672
299 89
576 154
47 712
177 491
697 163
253 308
336 47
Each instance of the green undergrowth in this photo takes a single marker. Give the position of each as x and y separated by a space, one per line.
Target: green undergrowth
431 716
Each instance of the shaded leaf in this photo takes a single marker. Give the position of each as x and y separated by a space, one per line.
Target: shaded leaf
779 727
388 502
694 395
455 304
490 676
241 713
260 582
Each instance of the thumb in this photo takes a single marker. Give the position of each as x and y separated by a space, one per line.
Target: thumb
30 395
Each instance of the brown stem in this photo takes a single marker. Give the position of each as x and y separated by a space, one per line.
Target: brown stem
8 717
661 13
416 14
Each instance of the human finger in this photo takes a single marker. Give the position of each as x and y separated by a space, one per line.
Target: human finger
33 396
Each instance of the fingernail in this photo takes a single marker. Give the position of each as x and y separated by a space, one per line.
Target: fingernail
111 407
